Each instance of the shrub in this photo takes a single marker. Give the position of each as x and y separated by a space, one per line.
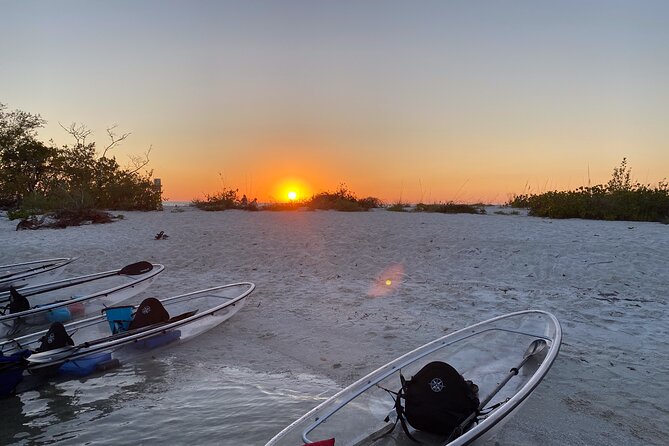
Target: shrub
224 200
619 199
507 213
342 200
291 206
35 177
64 218
398 207
450 208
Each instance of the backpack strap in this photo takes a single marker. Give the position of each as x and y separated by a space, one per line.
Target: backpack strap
400 409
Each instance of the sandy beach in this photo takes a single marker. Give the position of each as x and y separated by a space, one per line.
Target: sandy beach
323 308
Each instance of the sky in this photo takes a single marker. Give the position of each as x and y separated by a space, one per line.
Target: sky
432 101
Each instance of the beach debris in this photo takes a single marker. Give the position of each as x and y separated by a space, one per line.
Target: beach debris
161 236
64 218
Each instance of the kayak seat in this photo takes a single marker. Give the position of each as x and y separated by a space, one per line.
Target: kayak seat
17 301
56 337
150 312
436 399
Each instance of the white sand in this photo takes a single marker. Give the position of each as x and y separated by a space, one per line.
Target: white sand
317 272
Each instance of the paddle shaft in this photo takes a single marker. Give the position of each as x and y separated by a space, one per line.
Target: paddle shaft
513 372
6 276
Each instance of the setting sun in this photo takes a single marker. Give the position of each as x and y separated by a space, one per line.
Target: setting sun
290 189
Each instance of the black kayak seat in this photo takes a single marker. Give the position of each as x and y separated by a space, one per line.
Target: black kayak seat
17 301
150 312
55 337
438 398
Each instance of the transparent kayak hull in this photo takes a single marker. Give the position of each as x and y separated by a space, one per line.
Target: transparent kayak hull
19 275
191 315
73 298
363 413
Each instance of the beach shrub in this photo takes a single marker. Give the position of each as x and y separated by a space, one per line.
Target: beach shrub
64 218
224 200
398 207
507 213
290 206
342 200
37 177
450 208
619 199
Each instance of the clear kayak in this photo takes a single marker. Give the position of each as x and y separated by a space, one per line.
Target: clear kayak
504 359
32 308
19 275
116 336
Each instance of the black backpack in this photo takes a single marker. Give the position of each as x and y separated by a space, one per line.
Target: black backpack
436 399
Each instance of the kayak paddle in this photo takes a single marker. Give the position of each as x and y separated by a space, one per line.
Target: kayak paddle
535 347
47 265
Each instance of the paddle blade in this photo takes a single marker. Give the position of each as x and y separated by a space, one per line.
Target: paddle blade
537 346
329 442
135 269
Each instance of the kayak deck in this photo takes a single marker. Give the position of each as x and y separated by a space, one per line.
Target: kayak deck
483 353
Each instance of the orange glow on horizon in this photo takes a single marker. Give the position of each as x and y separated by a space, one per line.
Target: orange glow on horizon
269 169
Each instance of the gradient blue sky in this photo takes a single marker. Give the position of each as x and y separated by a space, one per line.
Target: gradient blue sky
419 100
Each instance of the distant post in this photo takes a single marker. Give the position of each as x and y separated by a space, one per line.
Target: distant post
158 187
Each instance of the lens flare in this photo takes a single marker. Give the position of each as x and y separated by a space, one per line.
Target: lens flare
387 281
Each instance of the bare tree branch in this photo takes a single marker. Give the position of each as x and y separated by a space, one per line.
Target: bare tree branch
114 139
138 162
79 133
